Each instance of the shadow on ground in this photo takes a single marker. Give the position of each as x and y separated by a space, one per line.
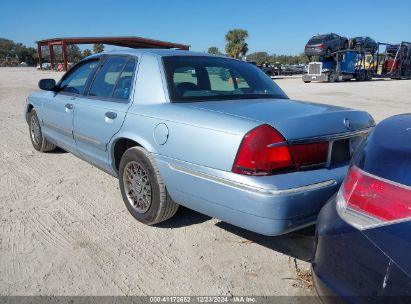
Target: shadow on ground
184 217
57 150
298 244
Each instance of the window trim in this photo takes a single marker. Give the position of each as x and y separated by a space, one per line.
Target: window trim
75 68
104 58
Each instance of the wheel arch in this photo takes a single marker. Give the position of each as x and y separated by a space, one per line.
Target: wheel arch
29 108
120 144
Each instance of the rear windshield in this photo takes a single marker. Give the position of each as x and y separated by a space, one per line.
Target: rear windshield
203 78
318 39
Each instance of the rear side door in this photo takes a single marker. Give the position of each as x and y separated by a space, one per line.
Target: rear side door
101 111
59 107
335 41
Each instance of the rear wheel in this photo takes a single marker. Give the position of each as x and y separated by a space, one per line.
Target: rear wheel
328 52
361 76
369 75
39 142
143 189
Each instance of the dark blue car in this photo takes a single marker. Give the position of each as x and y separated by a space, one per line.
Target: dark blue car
363 244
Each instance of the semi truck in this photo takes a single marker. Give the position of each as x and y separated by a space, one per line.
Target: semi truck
341 66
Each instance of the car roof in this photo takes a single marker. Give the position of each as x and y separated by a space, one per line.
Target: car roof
157 52
323 35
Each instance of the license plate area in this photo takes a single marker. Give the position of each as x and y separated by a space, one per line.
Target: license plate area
342 150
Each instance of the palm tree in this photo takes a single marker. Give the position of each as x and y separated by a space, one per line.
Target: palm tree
236 45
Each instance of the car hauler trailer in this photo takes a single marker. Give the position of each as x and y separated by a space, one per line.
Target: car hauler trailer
341 66
394 62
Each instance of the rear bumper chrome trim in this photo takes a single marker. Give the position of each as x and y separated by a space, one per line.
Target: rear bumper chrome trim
249 188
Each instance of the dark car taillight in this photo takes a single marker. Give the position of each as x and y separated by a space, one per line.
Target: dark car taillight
320 46
264 151
366 200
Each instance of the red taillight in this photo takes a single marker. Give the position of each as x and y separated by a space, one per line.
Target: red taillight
321 46
366 200
262 151
310 154
265 151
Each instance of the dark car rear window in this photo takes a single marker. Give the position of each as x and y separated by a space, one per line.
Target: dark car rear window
205 78
317 39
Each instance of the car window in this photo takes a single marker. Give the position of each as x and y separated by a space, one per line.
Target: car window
223 79
220 79
76 80
185 75
106 78
123 86
200 78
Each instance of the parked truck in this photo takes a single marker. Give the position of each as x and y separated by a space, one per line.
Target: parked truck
341 66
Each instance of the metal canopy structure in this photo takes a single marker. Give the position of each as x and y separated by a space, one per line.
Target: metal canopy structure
131 42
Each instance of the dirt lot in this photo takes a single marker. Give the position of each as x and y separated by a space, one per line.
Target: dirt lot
64 229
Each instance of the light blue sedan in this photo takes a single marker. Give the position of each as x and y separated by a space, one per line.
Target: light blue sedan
207 132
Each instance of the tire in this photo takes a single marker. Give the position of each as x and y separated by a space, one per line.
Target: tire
306 81
151 203
332 77
328 52
363 76
369 75
39 142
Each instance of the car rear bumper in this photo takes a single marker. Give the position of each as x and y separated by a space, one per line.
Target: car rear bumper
315 52
348 266
270 205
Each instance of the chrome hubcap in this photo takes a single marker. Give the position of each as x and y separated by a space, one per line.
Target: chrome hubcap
137 186
35 130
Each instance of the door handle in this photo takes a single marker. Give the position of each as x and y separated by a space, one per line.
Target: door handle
111 115
69 106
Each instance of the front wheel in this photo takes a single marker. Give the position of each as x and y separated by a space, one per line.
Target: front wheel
332 77
143 189
39 142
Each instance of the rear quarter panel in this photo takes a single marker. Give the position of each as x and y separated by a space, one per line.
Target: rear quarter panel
194 136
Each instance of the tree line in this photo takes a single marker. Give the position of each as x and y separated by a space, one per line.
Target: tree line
13 54
237 47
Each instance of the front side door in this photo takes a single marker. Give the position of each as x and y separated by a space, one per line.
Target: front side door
335 42
101 111
59 107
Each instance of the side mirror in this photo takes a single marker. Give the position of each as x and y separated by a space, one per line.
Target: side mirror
47 84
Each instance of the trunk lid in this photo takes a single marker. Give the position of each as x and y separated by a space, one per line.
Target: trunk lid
293 119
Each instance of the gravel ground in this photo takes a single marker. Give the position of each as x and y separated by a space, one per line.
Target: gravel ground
64 229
